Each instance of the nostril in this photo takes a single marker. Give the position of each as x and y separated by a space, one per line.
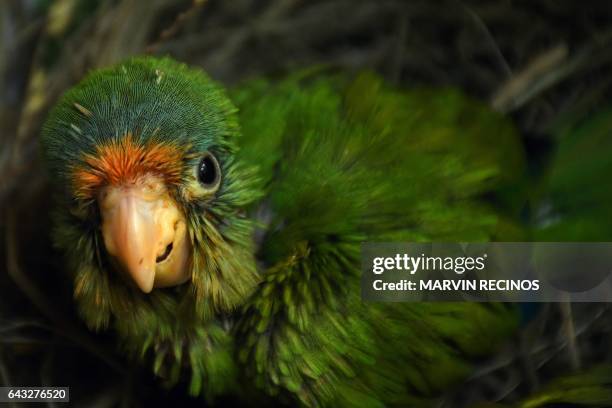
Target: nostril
166 253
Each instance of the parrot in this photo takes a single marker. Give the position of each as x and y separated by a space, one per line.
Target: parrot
216 232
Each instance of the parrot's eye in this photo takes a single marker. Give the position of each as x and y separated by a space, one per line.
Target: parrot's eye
209 172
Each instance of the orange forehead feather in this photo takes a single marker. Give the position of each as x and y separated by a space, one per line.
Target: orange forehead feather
124 161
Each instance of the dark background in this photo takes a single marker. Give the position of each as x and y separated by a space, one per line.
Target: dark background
540 62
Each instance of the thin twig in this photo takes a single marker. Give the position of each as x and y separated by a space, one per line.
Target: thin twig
172 29
557 345
494 47
398 51
569 332
540 73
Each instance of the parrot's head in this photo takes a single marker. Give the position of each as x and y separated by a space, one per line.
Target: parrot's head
152 199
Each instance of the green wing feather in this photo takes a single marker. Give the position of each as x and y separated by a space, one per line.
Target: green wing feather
344 161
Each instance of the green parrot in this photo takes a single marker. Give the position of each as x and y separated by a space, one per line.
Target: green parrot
222 245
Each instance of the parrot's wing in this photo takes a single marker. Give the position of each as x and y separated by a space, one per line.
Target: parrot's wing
347 161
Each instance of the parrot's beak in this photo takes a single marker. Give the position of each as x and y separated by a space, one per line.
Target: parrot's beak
146 233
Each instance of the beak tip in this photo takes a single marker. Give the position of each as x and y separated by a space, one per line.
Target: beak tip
145 280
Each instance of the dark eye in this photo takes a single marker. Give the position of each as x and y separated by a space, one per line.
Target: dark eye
209 172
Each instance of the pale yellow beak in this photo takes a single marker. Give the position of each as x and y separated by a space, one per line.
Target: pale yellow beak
146 233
